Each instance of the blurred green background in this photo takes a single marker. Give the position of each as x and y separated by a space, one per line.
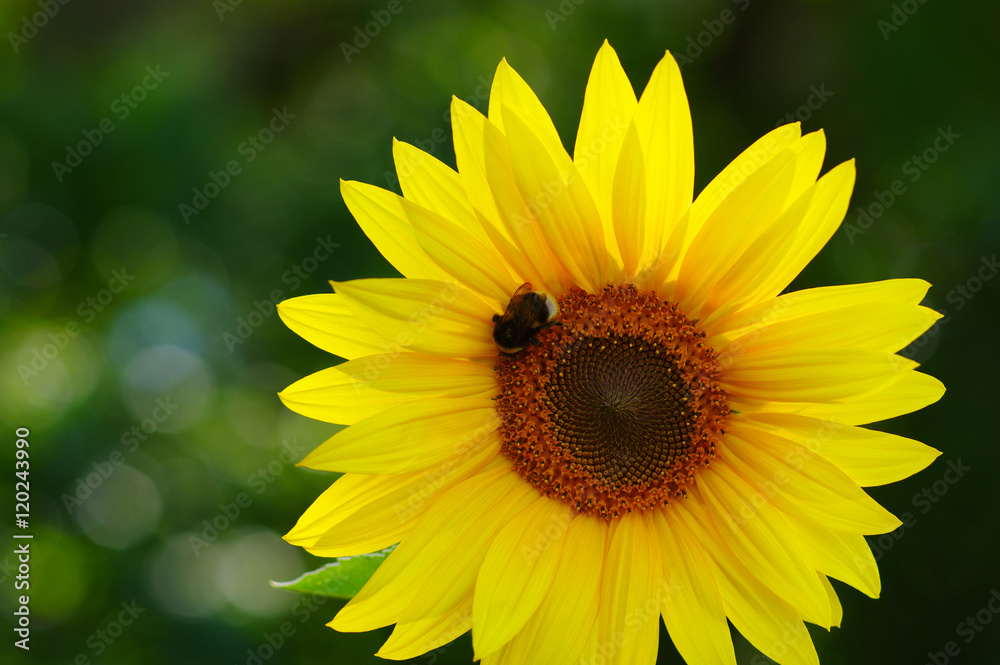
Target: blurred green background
138 341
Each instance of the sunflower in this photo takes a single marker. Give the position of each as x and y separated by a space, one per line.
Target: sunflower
680 440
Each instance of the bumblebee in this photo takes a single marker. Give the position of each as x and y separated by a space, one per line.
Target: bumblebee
526 314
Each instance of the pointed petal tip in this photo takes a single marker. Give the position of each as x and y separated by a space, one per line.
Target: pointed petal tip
669 58
847 170
293 539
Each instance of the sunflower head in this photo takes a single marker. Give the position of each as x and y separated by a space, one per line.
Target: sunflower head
587 405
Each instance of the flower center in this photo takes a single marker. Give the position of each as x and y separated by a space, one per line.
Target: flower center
616 407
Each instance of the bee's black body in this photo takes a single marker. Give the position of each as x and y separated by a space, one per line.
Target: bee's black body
526 314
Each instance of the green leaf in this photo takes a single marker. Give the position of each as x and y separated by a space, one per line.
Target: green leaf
341 579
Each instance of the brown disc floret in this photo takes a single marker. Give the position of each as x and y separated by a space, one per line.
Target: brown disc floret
616 407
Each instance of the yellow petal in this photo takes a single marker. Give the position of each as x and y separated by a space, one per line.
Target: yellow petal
815 302
431 317
754 531
380 518
510 89
692 606
408 437
343 497
412 639
735 224
836 609
783 250
868 457
819 375
911 391
631 594
766 621
450 248
442 552
760 152
324 320
557 197
771 624
844 556
498 657
802 484
459 253
553 634
811 149
628 208
432 184
468 126
881 327
517 572
388 231
363 387
608 105
535 259
456 573
663 121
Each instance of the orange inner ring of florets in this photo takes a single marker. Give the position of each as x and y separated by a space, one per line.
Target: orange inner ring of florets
616 407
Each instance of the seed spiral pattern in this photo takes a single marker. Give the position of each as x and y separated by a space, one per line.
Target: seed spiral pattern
616 407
